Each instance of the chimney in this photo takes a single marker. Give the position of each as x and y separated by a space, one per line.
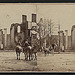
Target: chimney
24 18
33 17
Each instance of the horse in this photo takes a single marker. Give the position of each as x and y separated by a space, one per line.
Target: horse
27 52
34 52
19 49
30 52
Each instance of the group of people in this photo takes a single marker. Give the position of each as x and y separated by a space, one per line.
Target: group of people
48 50
53 47
26 46
27 49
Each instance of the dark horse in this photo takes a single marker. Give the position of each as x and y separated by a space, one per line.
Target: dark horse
27 52
21 48
30 53
34 52
18 51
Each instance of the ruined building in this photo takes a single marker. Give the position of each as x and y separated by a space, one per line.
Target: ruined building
24 31
1 39
73 37
19 31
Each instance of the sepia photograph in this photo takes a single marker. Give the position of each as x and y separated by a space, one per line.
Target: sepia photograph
37 37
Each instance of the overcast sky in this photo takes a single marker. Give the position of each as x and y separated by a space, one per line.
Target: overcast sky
59 13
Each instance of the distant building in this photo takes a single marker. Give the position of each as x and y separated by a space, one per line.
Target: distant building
5 38
61 38
1 39
69 42
13 31
8 41
19 32
33 31
66 39
73 37
23 31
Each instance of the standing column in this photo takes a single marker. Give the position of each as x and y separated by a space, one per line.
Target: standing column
45 43
66 39
61 40
1 39
5 38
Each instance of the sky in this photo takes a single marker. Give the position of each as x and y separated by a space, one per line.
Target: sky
63 14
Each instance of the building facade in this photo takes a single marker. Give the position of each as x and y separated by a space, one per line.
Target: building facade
1 39
61 39
23 31
73 37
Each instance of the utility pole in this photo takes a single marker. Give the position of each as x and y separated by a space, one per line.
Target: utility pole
40 33
59 37
36 12
50 30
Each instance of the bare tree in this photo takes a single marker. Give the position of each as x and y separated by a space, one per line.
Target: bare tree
46 27
50 29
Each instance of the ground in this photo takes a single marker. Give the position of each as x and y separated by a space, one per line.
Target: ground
8 62
63 62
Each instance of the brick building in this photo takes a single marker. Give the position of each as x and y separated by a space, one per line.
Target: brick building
22 31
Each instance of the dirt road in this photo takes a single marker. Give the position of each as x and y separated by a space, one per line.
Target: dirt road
57 63
8 62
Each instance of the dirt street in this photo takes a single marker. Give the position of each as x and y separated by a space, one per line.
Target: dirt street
57 63
8 62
